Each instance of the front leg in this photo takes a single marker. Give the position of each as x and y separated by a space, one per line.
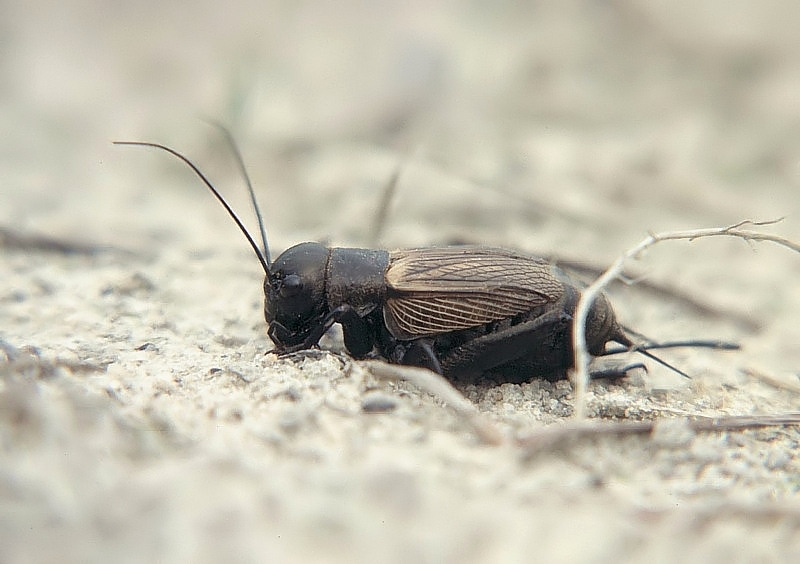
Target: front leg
358 333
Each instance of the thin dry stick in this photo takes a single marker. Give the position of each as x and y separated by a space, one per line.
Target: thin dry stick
376 231
745 320
437 386
774 381
553 436
580 376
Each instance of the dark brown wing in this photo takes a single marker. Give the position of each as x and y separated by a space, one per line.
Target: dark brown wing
437 290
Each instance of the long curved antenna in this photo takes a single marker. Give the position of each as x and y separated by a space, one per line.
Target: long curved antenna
261 257
243 170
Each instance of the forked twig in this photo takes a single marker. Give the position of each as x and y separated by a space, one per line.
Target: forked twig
580 375
590 271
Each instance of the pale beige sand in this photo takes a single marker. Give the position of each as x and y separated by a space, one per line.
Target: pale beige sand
141 418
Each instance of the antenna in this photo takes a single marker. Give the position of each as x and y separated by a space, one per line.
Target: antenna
263 257
243 170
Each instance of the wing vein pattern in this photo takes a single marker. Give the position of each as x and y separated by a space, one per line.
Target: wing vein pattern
437 290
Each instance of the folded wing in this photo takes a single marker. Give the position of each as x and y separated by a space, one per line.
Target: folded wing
437 290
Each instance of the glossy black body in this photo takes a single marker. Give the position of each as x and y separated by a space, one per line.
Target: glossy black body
461 311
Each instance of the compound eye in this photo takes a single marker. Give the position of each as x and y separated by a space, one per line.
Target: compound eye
291 285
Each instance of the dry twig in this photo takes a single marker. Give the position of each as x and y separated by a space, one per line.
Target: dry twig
590 271
554 436
774 381
580 376
439 387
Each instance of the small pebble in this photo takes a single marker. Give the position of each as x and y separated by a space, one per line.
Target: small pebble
378 402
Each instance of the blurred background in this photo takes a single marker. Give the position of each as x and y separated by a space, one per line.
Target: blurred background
158 425
582 122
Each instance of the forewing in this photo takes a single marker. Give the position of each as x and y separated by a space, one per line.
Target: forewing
437 290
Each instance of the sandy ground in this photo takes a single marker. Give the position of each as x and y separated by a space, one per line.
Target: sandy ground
142 417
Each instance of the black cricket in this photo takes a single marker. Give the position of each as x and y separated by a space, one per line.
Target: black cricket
461 311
